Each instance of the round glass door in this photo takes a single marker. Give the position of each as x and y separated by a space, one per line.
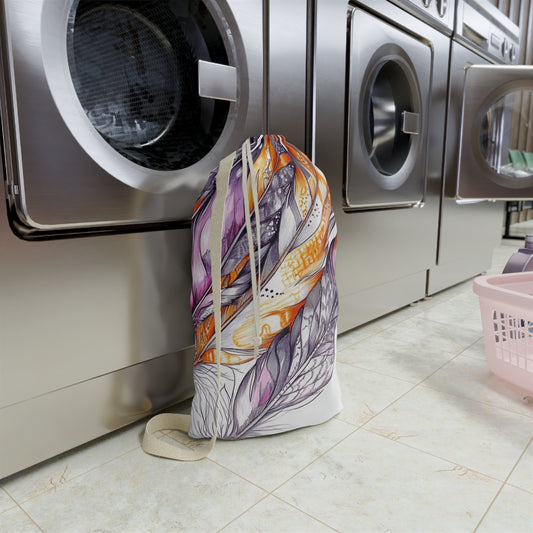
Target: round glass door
506 137
134 67
389 120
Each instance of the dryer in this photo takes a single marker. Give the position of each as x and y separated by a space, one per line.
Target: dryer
488 142
380 84
113 114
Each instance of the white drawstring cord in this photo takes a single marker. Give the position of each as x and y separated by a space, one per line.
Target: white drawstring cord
151 443
255 273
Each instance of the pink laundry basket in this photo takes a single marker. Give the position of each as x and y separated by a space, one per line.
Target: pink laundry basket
506 303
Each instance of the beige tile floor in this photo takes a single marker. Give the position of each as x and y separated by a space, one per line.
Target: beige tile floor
428 441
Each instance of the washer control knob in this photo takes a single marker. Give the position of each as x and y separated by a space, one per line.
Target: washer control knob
505 48
442 7
512 53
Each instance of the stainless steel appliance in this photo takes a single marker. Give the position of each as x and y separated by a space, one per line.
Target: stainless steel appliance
113 113
388 84
380 106
438 13
136 100
487 125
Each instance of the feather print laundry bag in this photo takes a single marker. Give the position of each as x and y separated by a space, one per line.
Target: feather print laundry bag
266 340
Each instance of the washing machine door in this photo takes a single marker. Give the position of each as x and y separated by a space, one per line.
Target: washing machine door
496 146
114 113
389 72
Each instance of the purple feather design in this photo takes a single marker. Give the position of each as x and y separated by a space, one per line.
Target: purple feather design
298 302
297 366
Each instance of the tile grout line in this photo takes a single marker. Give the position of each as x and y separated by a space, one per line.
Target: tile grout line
409 391
359 367
352 345
355 430
462 397
481 401
448 362
24 501
362 426
241 477
421 383
280 500
452 357
461 354
304 513
424 307
414 386
271 492
503 485
414 448
378 331
18 506
520 488
448 324
244 512
2 489
31 519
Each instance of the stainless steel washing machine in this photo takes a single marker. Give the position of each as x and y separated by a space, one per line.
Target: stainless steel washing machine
487 141
113 114
118 110
388 85
379 87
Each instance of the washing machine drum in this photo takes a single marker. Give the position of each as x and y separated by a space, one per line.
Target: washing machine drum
134 69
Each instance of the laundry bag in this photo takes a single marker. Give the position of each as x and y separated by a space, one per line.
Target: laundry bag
264 300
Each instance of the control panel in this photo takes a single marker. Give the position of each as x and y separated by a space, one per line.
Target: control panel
484 28
438 13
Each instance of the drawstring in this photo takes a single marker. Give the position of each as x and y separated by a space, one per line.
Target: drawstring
151 443
255 272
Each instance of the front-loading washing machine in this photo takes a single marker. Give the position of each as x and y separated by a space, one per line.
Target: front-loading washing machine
116 111
113 114
487 143
388 85
380 76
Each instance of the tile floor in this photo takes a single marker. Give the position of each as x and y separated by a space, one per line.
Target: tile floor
428 441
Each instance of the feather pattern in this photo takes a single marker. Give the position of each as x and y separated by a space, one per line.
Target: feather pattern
296 367
298 296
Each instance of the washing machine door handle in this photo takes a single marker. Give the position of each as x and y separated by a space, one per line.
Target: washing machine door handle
217 81
410 123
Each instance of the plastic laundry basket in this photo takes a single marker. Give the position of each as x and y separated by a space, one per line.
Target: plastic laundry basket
506 303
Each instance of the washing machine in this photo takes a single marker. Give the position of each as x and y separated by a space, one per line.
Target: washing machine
113 114
135 103
488 142
380 101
